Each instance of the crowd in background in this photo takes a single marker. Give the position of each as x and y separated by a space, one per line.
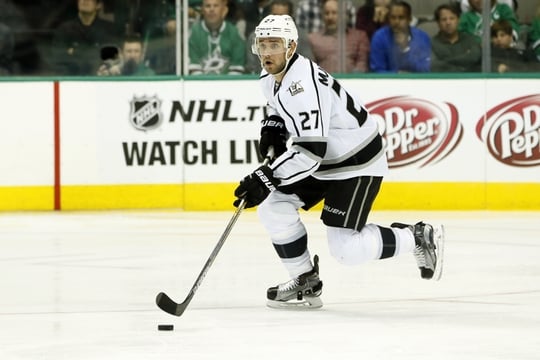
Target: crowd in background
136 37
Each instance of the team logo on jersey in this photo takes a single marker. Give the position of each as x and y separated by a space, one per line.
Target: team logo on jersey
511 131
416 131
145 112
215 63
295 88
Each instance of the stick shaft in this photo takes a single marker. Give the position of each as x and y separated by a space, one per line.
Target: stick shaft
214 253
164 302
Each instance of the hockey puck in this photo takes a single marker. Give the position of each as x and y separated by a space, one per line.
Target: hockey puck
165 327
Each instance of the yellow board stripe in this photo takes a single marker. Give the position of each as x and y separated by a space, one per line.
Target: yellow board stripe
96 197
27 198
219 196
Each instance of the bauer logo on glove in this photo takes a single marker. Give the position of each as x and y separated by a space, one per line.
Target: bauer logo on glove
273 122
255 187
265 180
273 134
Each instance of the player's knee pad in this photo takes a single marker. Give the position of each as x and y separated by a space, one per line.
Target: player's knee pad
351 247
281 218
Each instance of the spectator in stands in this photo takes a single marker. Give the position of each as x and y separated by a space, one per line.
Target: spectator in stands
277 7
215 45
252 12
77 42
7 44
505 57
161 49
128 61
194 12
372 16
399 47
148 18
236 17
325 43
471 21
453 51
26 56
465 6
534 34
308 15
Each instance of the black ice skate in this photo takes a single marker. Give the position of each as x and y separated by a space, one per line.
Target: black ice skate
302 292
429 248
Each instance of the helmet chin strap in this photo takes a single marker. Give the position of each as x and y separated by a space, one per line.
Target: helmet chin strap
287 59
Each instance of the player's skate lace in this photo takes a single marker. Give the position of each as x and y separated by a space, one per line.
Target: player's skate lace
307 284
419 256
424 250
289 285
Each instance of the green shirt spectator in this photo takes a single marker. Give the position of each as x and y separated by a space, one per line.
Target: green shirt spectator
471 21
534 34
215 45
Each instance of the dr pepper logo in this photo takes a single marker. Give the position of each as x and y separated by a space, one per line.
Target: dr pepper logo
511 131
416 130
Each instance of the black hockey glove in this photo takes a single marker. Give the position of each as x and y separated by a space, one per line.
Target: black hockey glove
273 133
255 187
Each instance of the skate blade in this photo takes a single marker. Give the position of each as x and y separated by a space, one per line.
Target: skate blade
308 303
439 237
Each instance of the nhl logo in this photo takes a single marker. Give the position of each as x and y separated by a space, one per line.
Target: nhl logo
145 113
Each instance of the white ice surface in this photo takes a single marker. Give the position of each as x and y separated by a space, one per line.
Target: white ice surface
81 285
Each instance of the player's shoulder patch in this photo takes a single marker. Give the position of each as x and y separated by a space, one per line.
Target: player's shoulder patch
295 88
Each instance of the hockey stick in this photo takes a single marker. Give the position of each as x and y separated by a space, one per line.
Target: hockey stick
164 302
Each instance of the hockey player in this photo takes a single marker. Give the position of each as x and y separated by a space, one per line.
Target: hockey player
327 146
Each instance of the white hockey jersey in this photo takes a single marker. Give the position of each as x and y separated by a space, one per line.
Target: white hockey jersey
331 135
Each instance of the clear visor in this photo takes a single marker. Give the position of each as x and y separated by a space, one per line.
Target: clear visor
268 46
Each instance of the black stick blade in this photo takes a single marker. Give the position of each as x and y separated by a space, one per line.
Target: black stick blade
165 303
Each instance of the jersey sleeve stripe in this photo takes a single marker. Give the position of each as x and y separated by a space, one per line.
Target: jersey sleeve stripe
283 163
317 148
364 156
